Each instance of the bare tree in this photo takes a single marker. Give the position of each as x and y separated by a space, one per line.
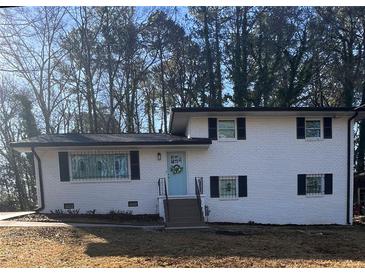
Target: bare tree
30 50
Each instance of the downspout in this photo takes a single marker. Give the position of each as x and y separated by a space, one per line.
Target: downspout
39 164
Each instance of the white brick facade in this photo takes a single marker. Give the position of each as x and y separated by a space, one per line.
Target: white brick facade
103 195
271 157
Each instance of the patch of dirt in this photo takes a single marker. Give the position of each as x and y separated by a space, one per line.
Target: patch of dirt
257 246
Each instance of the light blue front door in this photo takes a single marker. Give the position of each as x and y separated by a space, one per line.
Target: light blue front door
176 171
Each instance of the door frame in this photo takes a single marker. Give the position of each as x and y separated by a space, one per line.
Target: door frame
186 168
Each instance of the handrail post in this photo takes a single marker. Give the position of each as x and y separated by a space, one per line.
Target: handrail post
162 187
167 216
159 187
198 189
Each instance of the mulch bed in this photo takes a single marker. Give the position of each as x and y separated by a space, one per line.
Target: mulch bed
145 219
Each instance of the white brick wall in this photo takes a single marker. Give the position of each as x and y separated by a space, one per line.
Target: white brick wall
271 157
104 196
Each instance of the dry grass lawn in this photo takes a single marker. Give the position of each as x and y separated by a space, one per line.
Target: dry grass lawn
260 246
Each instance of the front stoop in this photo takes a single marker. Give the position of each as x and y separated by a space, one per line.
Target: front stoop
183 213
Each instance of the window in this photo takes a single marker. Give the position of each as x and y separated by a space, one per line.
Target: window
68 206
226 129
132 203
314 184
228 187
97 166
312 129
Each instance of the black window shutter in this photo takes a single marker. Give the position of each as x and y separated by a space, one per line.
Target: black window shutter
242 186
241 128
135 173
327 128
328 184
301 184
63 166
212 128
214 186
300 128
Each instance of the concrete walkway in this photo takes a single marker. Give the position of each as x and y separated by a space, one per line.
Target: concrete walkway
7 215
50 224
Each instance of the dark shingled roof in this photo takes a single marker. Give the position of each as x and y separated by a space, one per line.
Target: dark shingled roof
124 139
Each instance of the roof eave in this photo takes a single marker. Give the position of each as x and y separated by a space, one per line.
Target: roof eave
29 145
184 113
263 109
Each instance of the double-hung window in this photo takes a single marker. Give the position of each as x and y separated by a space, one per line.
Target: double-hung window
226 129
228 187
99 166
315 184
312 129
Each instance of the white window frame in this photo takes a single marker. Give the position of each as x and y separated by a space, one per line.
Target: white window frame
234 126
322 176
99 180
320 129
219 187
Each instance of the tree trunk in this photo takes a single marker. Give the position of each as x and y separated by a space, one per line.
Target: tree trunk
218 55
209 61
163 91
244 41
237 64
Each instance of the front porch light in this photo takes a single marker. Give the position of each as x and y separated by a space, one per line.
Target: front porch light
159 156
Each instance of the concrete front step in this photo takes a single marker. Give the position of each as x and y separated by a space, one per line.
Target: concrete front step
184 220
187 227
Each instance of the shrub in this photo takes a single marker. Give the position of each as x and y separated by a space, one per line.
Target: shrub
91 212
73 211
57 212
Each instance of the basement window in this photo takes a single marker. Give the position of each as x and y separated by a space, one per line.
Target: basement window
132 203
68 206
